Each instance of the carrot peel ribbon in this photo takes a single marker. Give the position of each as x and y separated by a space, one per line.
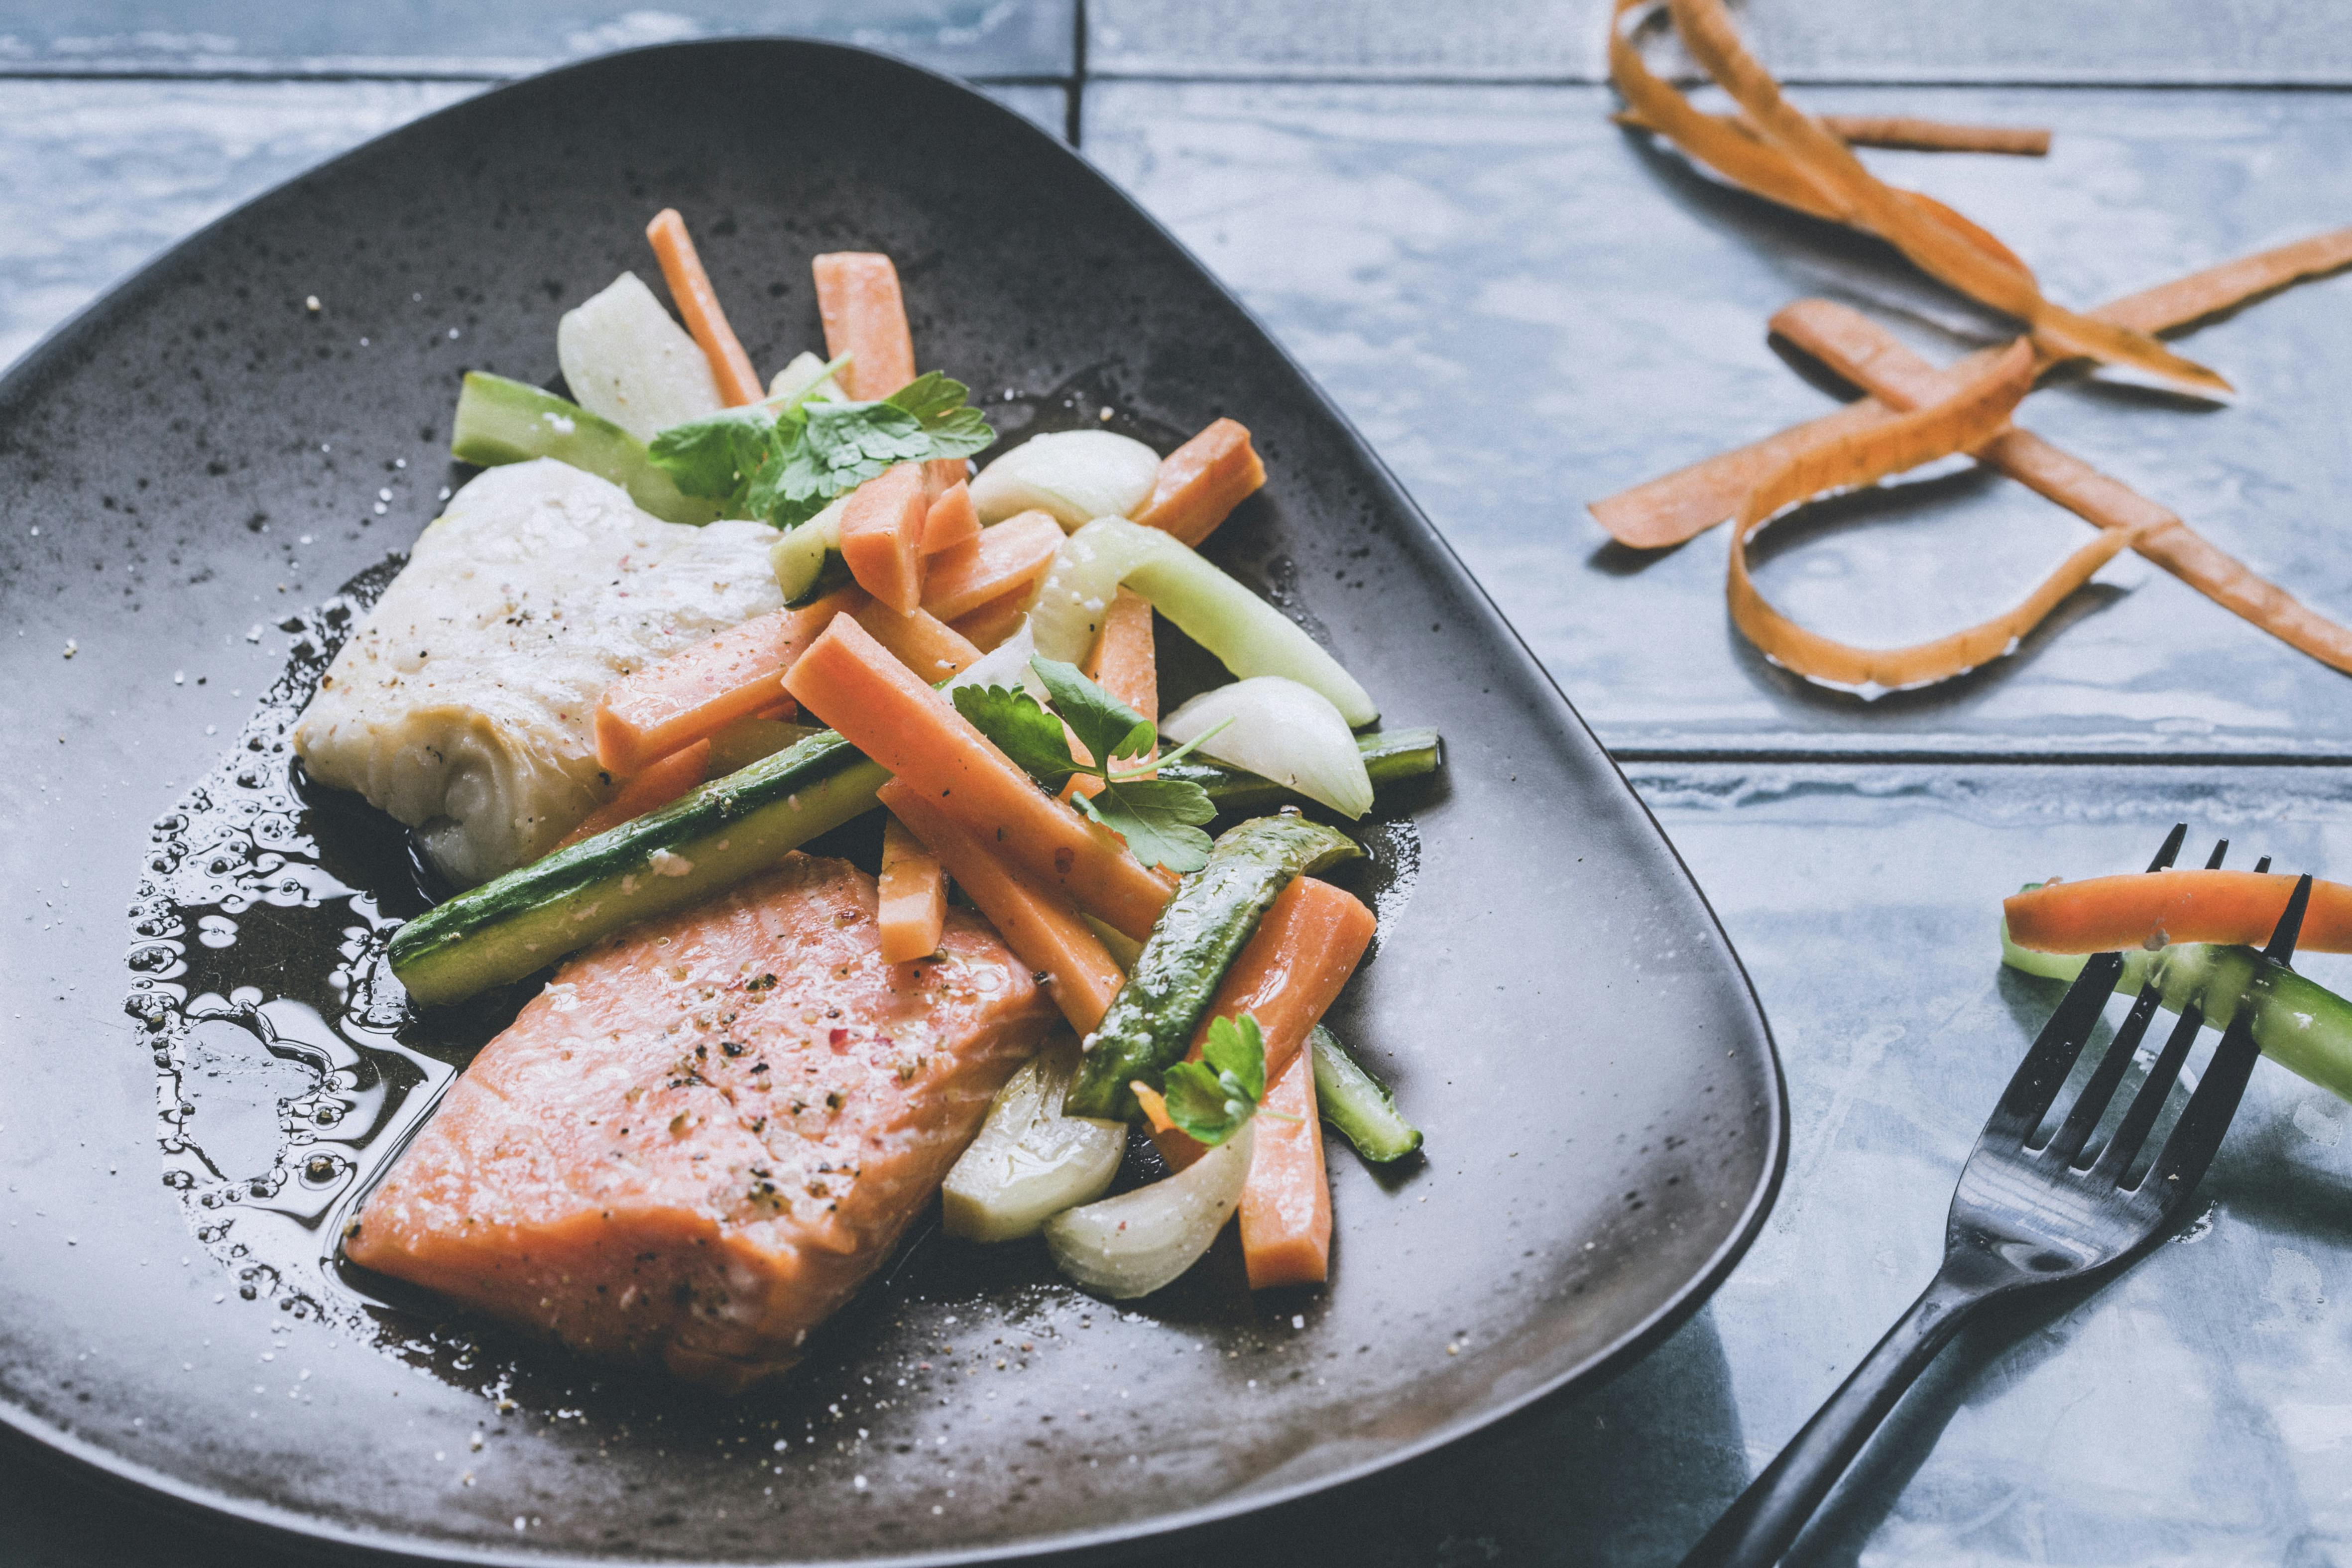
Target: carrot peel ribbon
1974 415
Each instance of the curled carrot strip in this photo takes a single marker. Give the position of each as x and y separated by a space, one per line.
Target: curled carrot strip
1896 130
1871 357
1686 503
1962 423
1951 254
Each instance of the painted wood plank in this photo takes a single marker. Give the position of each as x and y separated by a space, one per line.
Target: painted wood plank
1525 309
458 37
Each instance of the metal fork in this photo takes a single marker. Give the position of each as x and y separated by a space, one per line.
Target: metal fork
2025 1217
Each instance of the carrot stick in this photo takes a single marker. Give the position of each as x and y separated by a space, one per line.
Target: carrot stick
952 519
1286 1196
1307 945
2108 914
922 642
887 712
1122 663
690 287
1202 480
653 788
1866 354
1039 925
994 621
648 713
865 317
913 896
882 537
1008 558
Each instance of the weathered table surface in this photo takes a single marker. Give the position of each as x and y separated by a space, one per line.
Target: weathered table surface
1525 309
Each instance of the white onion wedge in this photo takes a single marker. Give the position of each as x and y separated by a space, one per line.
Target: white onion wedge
1280 729
1074 474
1007 665
1248 635
803 373
1133 1243
1030 1162
626 361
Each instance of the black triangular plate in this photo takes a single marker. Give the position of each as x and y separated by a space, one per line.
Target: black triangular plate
1553 998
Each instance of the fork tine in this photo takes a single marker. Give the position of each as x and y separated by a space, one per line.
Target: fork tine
2068 1140
2220 853
2196 1136
2172 842
2262 865
2044 1071
2148 1104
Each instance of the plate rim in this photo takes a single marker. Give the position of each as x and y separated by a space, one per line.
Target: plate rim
170 1494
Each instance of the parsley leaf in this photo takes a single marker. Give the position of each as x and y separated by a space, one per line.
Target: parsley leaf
784 466
1021 729
1211 1099
1104 725
716 455
1160 819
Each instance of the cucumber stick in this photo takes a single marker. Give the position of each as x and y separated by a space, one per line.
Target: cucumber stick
2297 1023
1248 636
1390 756
1360 1105
727 830
502 421
1215 912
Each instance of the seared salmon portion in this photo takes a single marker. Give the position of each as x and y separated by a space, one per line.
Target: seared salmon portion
706 1132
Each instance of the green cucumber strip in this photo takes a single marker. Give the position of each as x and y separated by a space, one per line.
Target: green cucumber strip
1360 1105
1247 635
728 829
807 560
1390 756
2300 1025
1215 912
502 421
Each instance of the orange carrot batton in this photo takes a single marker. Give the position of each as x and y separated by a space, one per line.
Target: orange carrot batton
2111 914
952 519
650 789
994 621
1040 927
648 713
1201 481
887 712
865 317
882 537
913 896
923 643
1122 663
1008 558
1305 946
1286 1197
689 286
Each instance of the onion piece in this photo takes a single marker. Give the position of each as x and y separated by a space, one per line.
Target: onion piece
1006 665
1133 1243
1280 729
627 362
1248 635
1030 1162
1076 475
805 378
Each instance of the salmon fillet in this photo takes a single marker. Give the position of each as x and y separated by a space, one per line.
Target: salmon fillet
706 1132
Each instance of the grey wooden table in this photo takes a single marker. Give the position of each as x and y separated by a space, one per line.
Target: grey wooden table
1524 308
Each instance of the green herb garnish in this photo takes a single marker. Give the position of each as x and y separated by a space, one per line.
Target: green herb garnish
1210 1098
785 464
1161 820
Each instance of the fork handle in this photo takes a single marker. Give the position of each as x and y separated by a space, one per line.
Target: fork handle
1758 1529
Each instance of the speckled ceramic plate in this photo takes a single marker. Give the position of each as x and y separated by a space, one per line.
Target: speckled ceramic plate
203 1064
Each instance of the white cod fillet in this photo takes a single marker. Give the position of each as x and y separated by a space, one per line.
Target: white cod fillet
464 704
